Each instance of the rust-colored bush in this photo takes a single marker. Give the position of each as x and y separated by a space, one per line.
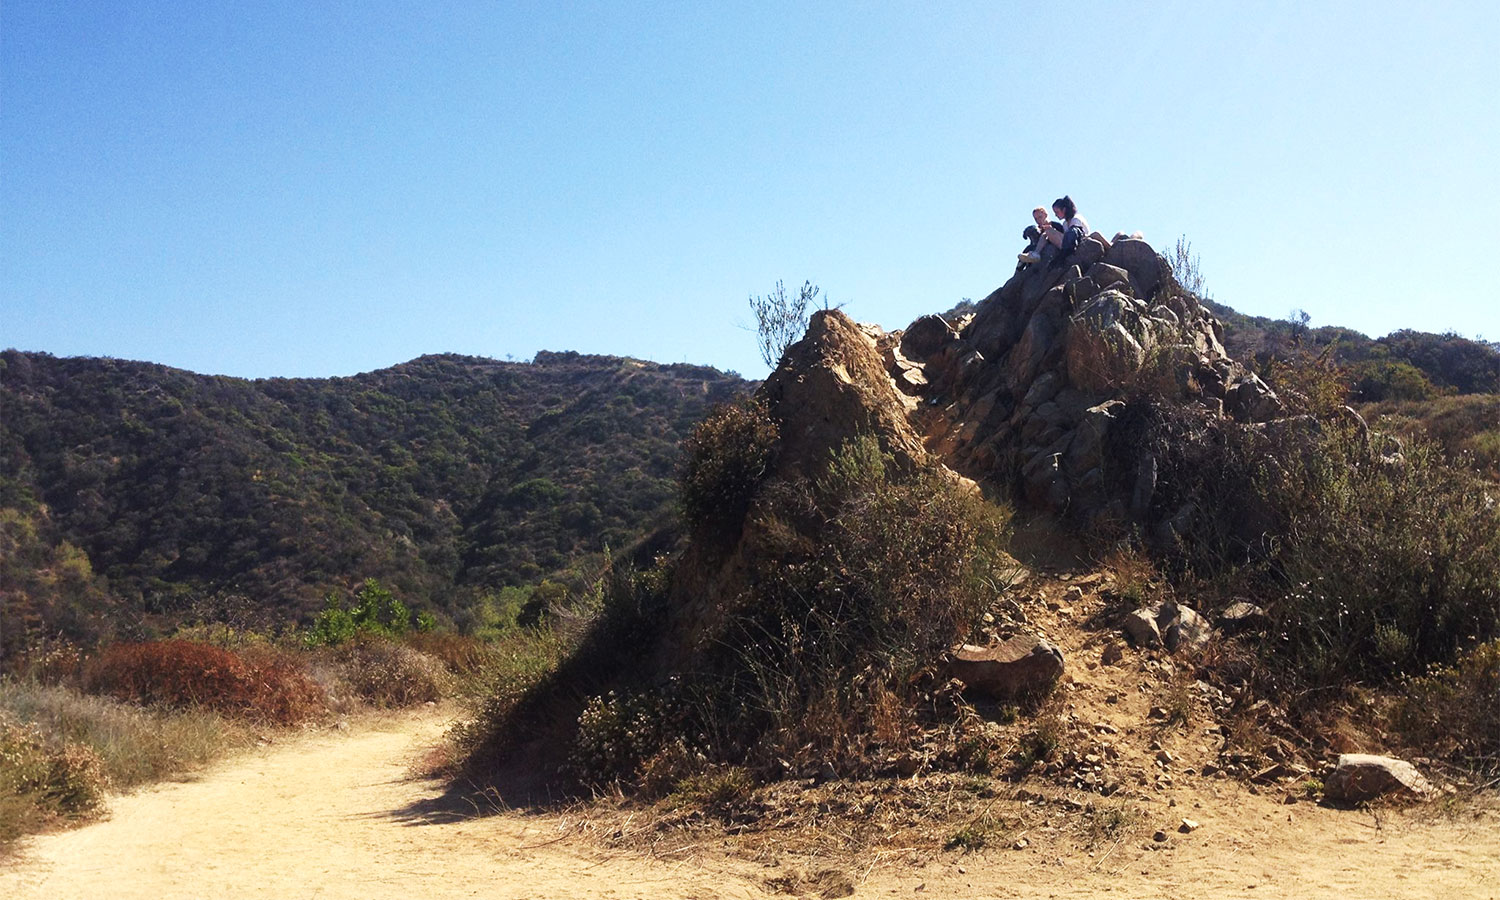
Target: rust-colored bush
184 673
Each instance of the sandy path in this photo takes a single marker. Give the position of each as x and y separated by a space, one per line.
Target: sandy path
327 817
332 816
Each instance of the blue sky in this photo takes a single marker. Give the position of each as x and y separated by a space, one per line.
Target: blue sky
269 188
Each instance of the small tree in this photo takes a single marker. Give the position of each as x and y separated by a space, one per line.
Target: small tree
781 319
1298 319
1184 263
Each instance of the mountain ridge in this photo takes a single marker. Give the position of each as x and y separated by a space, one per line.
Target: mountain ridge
446 475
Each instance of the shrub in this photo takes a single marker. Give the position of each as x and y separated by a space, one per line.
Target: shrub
40 782
780 320
388 674
525 660
1388 565
617 735
463 656
376 611
1455 710
1384 379
68 779
1467 427
184 673
859 580
1374 563
135 745
726 457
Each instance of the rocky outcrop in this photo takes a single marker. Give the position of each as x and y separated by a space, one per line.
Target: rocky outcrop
1029 394
831 386
835 384
1361 777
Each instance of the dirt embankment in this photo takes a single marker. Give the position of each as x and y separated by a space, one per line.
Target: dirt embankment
338 815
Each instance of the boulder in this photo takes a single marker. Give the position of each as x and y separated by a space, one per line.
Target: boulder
1042 479
1243 616
831 386
1107 340
1252 400
1145 267
1108 324
1090 250
1024 666
1183 628
1108 276
1043 389
926 336
1141 628
1167 624
1359 777
1086 451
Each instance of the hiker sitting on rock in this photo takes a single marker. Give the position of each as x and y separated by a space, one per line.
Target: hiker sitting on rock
1038 247
1065 237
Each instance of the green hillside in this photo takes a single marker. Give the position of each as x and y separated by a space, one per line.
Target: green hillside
1403 365
164 496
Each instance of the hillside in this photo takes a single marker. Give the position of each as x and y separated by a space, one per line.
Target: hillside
168 496
1403 365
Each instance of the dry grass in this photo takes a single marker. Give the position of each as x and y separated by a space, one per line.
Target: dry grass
390 675
60 750
134 745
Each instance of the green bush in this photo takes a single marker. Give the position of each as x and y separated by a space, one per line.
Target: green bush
1384 379
376 611
525 660
726 457
1388 565
1454 711
858 581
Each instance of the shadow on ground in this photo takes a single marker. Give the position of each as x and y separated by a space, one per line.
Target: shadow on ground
516 789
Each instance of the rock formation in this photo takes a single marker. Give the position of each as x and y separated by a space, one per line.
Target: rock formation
1025 394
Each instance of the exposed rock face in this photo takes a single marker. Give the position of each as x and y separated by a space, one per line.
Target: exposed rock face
1026 395
833 385
1359 777
1024 666
1031 394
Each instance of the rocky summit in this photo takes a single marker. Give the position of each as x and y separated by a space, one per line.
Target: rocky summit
1028 393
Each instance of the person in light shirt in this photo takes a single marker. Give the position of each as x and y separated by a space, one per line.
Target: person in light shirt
1074 228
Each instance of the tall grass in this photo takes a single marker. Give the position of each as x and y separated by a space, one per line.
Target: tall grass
60 751
135 745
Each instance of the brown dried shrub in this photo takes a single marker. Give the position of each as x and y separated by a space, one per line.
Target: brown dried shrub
173 673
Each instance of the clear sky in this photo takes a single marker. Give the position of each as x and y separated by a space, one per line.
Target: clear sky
321 188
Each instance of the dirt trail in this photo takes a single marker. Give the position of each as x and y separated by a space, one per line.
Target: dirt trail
329 816
337 815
